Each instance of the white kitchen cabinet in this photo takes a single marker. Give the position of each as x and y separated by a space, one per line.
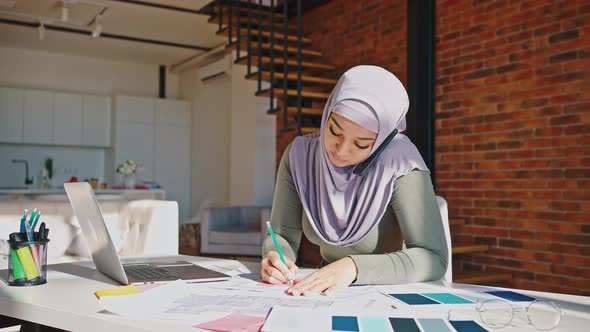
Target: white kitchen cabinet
135 109
11 115
157 132
173 165
136 141
44 117
173 112
38 117
67 119
96 123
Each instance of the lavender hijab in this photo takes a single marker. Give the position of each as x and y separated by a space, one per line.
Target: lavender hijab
343 208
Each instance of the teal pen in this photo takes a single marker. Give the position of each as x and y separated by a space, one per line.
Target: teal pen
33 214
22 222
274 239
36 220
29 231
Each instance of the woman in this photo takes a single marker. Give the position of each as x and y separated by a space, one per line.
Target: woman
353 190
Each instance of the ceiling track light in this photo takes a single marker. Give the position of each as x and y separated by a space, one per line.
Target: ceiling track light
41 31
65 11
97 30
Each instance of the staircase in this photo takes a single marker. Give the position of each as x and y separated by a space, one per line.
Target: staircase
297 81
287 67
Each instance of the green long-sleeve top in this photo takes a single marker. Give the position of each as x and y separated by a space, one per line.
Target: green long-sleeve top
411 216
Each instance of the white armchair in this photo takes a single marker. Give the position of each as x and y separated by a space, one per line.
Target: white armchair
233 230
151 228
143 227
444 213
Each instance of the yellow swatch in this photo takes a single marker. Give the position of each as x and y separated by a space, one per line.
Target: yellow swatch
123 290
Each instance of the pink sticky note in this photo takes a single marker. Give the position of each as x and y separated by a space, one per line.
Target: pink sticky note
235 322
145 287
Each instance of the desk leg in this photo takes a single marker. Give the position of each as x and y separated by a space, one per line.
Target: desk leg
6 321
34 327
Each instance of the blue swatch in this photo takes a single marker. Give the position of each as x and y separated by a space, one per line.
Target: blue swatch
433 325
345 323
413 299
467 326
511 296
447 298
374 324
404 324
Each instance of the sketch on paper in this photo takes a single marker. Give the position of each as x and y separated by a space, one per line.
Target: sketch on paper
258 305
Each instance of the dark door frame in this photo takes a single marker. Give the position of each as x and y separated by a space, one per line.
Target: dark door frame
421 59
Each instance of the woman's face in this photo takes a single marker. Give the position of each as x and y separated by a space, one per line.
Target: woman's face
346 142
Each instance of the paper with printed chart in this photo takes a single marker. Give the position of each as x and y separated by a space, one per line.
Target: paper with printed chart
201 302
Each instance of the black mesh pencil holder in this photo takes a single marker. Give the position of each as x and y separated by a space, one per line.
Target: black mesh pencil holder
27 262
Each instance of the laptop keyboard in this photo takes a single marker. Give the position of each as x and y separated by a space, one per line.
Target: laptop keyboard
146 272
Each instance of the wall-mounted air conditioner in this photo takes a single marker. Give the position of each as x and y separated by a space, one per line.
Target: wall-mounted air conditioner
214 69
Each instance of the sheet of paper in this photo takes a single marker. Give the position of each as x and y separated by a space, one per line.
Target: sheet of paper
200 302
293 320
155 304
258 305
235 322
229 267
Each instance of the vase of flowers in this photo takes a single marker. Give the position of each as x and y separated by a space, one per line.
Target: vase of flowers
129 169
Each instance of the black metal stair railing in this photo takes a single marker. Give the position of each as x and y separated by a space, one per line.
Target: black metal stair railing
299 99
285 67
266 36
259 45
249 40
271 23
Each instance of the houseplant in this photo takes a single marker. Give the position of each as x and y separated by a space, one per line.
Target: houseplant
129 169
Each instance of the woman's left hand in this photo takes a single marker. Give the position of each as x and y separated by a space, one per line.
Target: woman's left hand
326 280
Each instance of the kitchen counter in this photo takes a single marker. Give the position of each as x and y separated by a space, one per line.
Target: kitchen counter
60 193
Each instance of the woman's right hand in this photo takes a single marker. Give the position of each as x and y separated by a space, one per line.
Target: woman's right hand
274 271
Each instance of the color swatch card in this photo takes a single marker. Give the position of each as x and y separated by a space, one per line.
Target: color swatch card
511 296
291 319
439 300
418 299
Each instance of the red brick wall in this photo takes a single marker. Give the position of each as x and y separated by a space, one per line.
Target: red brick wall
513 136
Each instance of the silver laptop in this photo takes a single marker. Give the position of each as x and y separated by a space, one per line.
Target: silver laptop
105 257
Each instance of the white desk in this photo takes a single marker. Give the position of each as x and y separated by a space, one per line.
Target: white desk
67 302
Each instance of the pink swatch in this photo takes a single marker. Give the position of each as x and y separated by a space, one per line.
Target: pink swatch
235 322
145 287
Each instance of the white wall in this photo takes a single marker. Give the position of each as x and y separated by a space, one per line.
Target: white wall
69 73
252 151
253 148
233 141
210 138
243 139
266 138
62 72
